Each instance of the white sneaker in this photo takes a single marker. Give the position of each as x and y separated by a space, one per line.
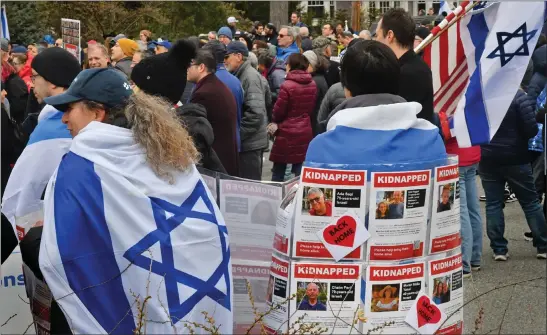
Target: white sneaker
501 258
475 267
542 256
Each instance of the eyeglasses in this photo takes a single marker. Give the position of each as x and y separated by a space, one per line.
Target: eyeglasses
312 200
281 35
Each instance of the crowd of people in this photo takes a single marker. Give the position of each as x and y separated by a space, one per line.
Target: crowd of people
229 93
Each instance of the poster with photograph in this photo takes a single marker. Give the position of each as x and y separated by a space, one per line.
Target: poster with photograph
399 205
445 218
257 275
327 294
284 222
389 294
71 36
323 196
250 211
445 287
211 183
277 295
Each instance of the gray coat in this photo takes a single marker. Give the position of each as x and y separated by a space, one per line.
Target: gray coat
253 116
334 97
124 65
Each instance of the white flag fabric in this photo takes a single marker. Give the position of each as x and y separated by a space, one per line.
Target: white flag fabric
115 233
445 7
498 39
47 144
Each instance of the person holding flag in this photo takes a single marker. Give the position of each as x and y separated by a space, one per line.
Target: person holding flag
128 218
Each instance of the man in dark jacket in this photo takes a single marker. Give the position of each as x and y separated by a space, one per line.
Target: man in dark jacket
322 46
271 34
220 105
506 159
397 30
253 118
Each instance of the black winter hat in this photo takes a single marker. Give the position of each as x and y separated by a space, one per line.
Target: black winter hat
57 66
165 74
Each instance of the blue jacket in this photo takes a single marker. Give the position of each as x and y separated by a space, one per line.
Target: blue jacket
284 53
235 86
510 144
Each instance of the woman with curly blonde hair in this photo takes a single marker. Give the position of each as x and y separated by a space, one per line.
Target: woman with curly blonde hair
126 211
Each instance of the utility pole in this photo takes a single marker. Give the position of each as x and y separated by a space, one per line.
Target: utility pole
356 16
279 11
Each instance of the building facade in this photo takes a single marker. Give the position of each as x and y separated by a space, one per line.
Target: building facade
320 8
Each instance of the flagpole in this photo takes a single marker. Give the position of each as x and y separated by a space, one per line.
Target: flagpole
452 18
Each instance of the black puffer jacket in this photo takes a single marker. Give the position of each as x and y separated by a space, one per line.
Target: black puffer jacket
194 117
17 95
539 78
510 144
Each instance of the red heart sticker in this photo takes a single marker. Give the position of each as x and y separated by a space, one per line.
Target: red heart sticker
342 233
427 312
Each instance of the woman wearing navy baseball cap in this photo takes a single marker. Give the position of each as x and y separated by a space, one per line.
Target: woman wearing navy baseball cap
129 182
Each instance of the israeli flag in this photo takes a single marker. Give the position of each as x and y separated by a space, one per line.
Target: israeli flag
117 237
498 39
47 144
382 136
445 7
4 22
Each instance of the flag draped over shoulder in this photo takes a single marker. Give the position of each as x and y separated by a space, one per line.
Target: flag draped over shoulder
115 235
384 135
47 144
478 64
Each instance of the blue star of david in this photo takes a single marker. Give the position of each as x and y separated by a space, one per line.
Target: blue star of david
166 269
504 37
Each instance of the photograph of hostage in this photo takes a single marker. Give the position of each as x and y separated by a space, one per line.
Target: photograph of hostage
319 206
396 207
310 302
444 201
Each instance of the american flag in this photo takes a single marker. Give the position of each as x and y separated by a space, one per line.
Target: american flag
446 58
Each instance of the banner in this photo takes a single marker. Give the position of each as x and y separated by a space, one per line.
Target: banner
323 196
399 206
71 34
327 294
13 297
390 292
445 217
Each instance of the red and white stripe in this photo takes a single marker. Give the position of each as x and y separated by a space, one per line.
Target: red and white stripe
446 58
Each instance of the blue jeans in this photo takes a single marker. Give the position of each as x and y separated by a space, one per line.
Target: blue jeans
520 180
278 171
470 218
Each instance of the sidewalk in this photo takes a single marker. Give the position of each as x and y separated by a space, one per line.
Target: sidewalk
515 308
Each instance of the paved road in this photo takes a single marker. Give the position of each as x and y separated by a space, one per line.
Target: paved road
507 308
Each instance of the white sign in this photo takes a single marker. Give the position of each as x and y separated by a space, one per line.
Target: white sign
343 235
325 195
71 34
277 295
445 217
425 316
390 293
249 210
445 287
399 204
326 293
